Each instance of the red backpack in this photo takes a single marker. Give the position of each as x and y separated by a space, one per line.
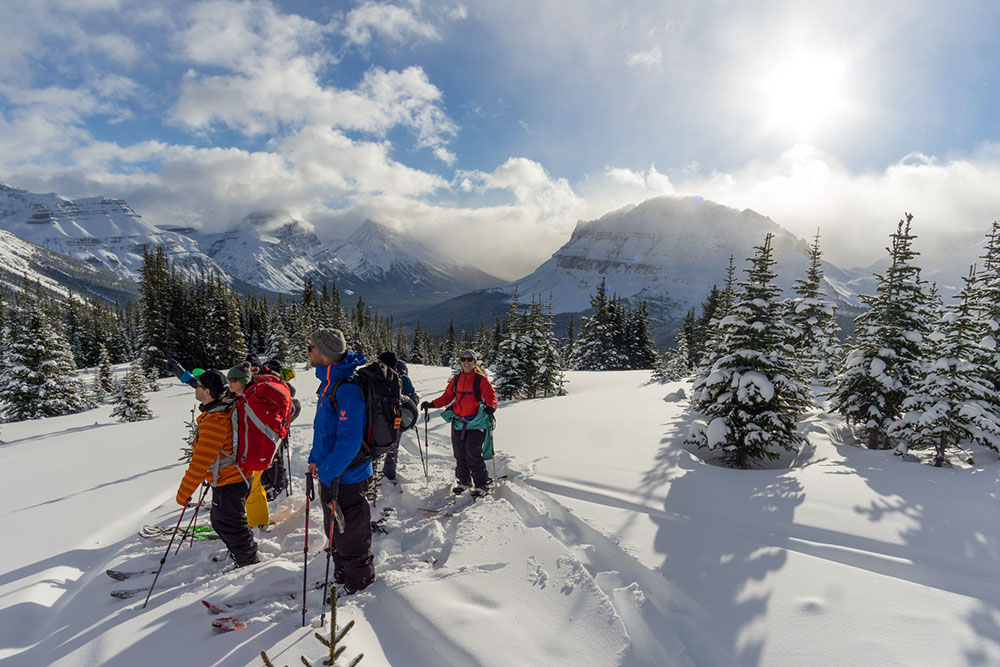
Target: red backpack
260 421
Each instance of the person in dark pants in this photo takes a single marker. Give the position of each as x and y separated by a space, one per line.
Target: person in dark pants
469 390
336 460
212 460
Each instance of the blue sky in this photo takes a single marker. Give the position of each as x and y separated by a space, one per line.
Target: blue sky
509 121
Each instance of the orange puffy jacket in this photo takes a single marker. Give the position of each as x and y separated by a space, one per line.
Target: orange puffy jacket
213 441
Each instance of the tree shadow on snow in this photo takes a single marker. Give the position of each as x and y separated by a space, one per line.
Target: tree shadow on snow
712 550
950 544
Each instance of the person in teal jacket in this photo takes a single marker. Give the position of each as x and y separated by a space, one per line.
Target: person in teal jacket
333 459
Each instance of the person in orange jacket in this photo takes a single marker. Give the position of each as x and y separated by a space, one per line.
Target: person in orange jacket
468 389
212 460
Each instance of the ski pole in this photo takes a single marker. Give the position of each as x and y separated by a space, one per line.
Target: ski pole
427 440
163 559
194 520
329 553
288 468
310 494
423 460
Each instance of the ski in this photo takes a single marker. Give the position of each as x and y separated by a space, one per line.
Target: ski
126 593
161 534
122 575
228 624
228 607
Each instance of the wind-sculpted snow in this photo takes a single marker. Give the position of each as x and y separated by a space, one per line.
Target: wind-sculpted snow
609 542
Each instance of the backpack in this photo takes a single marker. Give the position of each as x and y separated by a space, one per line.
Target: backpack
383 410
260 421
476 382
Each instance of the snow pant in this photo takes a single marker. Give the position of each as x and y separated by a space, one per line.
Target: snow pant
229 520
467 446
353 564
258 513
389 463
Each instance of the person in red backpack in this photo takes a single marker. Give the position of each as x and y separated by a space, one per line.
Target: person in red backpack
242 384
469 389
212 460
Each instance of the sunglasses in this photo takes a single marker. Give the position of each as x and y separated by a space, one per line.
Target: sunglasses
466 360
310 347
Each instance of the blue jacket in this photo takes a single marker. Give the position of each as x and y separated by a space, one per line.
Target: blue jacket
407 387
337 438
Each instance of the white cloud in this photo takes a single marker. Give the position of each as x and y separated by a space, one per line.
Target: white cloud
651 58
396 24
804 189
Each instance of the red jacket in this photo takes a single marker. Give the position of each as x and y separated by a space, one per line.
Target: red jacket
467 405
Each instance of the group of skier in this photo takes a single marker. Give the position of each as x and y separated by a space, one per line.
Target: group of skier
341 455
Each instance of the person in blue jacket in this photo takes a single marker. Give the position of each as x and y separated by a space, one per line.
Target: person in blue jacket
336 459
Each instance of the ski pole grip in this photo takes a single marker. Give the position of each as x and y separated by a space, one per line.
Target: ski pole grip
310 489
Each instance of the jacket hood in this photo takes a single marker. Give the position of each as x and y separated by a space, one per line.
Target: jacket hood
344 368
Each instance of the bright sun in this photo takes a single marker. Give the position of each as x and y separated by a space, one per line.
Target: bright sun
804 93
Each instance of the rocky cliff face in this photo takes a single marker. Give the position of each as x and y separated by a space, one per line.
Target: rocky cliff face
103 232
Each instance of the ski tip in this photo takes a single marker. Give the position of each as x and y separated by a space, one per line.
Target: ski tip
228 624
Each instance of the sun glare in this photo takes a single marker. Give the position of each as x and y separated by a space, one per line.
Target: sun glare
804 93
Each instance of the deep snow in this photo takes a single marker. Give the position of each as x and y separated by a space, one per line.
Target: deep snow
610 543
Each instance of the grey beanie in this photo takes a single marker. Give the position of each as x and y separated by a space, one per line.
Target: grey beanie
240 373
329 342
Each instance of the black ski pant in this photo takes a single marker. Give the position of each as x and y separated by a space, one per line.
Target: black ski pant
229 520
467 446
353 564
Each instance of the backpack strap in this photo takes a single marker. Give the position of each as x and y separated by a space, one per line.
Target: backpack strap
476 386
364 451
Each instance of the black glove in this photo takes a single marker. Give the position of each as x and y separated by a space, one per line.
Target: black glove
426 405
489 409
174 367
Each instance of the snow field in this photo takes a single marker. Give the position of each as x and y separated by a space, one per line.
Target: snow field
609 543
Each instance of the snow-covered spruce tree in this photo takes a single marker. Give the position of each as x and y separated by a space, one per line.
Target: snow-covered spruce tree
755 393
953 403
552 375
508 364
813 321
639 345
705 335
596 346
104 374
130 397
988 284
885 357
676 363
38 377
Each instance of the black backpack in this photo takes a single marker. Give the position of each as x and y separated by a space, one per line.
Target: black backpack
383 410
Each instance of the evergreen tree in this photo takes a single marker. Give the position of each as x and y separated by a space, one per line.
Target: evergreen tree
953 403
885 357
130 398
509 365
676 364
639 346
813 321
597 345
38 377
103 379
754 394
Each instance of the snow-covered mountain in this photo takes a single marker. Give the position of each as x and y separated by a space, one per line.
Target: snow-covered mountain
101 231
669 251
273 259
57 273
385 268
